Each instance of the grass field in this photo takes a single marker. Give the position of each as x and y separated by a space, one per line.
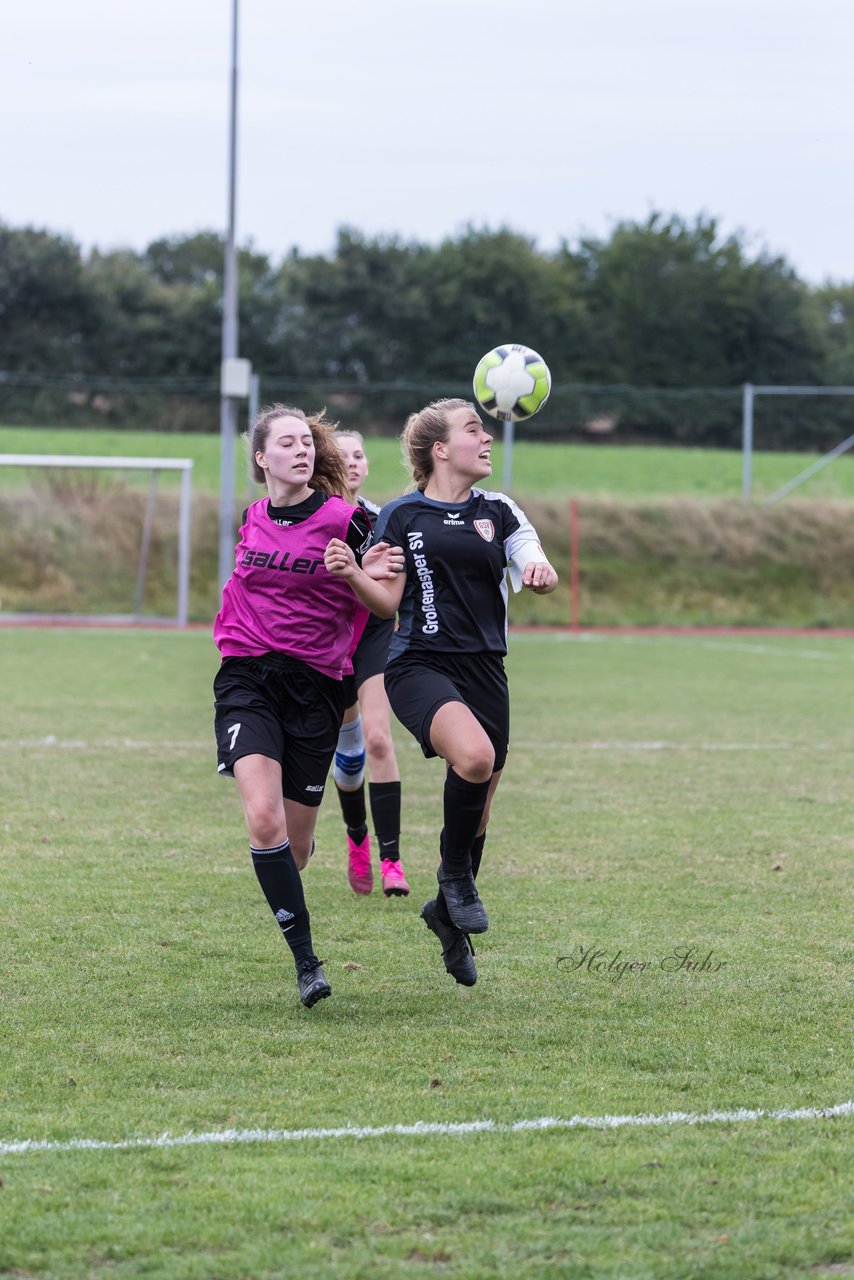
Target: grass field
663 798
664 537
541 470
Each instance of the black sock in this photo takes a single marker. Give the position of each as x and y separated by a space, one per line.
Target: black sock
385 811
464 804
282 884
441 904
476 855
354 811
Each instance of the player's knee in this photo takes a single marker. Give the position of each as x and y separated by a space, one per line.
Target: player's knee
265 824
378 744
349 768
476 761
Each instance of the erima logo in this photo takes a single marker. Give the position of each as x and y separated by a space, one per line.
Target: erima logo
453 518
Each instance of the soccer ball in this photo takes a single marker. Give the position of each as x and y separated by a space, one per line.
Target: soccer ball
512 382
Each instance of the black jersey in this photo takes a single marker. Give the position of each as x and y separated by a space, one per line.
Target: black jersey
370 509
455 598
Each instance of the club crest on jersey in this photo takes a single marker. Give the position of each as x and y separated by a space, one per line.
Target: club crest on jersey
486 529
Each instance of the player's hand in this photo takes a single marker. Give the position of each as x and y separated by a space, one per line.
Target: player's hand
383 561
339 558
539 577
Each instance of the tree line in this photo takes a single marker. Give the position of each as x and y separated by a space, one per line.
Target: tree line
649 333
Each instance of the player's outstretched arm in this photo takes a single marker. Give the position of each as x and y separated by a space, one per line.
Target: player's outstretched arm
380 584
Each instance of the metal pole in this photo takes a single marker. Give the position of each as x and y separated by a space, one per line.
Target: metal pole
229 404
254 410
508 454
145 546
822 462
573 566
254 398
184 542
746 441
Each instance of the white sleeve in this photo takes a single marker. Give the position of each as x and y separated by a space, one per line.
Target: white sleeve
524 553
523 546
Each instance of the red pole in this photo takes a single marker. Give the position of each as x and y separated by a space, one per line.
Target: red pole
573 565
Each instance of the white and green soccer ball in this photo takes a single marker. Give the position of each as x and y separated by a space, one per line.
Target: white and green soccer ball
512 382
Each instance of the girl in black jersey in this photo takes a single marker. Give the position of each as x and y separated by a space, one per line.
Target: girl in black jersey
445 676
365 736
286 630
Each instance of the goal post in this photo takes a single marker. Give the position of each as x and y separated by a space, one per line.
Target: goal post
748 405
154 466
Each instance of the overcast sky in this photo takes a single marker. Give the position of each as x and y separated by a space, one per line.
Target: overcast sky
557 118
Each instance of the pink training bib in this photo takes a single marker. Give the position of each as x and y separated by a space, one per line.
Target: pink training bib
280 596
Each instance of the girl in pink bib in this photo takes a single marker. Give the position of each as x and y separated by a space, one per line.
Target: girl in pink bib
286 631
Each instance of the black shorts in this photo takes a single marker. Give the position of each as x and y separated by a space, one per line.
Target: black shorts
370 656
418 685
282 708
371 653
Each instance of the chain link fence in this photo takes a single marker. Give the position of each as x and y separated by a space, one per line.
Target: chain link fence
690 416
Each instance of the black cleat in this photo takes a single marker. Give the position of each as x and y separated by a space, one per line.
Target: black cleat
457 950
463 902
312 982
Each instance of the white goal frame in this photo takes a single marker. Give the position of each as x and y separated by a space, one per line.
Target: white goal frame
155 466
749 394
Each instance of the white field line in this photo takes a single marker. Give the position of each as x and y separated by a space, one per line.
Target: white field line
110 744
674 746
227 1137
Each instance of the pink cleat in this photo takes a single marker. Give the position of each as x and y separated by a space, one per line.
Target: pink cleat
359 871
394 881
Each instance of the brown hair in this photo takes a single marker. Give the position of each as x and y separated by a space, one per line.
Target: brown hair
422 431
330 473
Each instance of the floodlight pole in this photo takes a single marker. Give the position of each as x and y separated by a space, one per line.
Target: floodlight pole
508 454
229 403
746 441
